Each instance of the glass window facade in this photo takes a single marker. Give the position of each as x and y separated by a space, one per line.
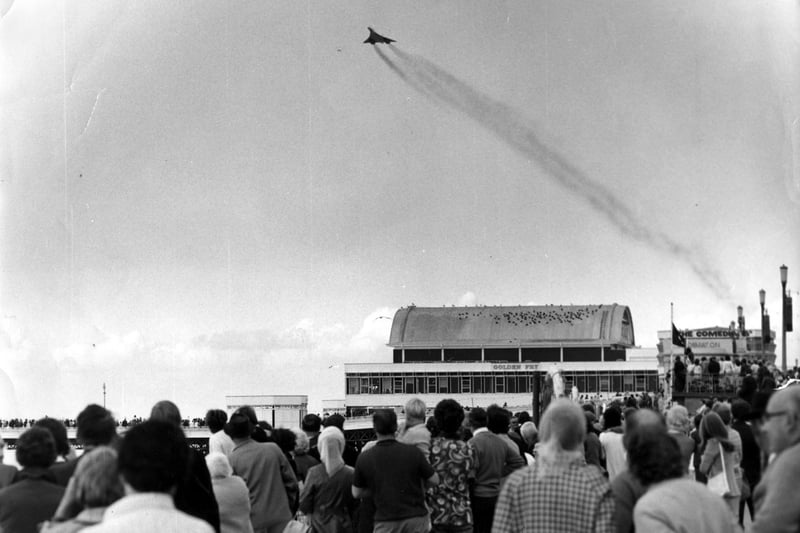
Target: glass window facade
462 354
455 382
550 354
541 355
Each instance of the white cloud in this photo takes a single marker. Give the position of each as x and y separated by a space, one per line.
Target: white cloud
468 298
196 373
374 332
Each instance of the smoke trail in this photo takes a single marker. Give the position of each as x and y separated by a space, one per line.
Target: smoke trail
438 84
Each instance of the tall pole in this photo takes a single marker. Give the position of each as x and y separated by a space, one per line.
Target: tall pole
762 294
784 271
671 369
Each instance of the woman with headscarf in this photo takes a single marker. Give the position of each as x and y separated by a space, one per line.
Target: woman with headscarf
327 496
232 494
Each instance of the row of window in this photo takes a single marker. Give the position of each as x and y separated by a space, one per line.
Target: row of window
553 354
500 383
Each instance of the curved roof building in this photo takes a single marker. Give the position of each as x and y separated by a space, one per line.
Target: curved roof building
520 325
485 355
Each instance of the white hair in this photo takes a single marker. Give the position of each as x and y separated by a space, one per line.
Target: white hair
218 465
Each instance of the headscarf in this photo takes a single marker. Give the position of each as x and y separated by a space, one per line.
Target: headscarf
331 445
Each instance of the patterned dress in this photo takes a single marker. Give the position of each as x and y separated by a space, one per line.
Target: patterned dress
454 462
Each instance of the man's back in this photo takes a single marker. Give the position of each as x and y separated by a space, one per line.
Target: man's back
28 502
614 451
494 460
148 511
555 495
269 478
395 473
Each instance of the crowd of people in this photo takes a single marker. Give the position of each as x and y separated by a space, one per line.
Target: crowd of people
617 468
709 374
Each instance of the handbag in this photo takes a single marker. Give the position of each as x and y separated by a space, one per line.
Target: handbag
718 484
295 526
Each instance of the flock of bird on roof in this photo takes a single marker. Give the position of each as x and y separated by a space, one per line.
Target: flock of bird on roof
536 317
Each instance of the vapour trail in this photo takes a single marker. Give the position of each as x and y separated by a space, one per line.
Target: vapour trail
505 122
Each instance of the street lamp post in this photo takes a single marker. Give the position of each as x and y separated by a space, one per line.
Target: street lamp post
762 294
784 271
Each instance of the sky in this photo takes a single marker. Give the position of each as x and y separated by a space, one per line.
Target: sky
201 199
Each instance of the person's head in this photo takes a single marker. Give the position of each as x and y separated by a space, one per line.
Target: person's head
652 455
96 426
678 419
523 416
591 420
59 432
627 412
415 411
216 419
36 448
529 433
642 418
331 445
218 465
477 418
311 423
96 478
433 426
740 409
301 443
712 427
262 431
167 411
384 422
153 456
335 420
449 416
781 420
563 425
241 423
612 417
498 419
284 438
749 385
723 409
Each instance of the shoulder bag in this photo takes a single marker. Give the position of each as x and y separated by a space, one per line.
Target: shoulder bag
718 484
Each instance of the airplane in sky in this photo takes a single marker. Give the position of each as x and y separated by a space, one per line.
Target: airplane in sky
375 38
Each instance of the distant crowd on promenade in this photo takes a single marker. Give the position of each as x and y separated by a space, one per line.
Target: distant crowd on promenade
726 373
621 467
22 423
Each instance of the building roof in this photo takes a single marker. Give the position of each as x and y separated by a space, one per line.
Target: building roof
435 327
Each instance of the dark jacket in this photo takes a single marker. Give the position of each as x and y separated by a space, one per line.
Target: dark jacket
751 453
195 495
32 499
